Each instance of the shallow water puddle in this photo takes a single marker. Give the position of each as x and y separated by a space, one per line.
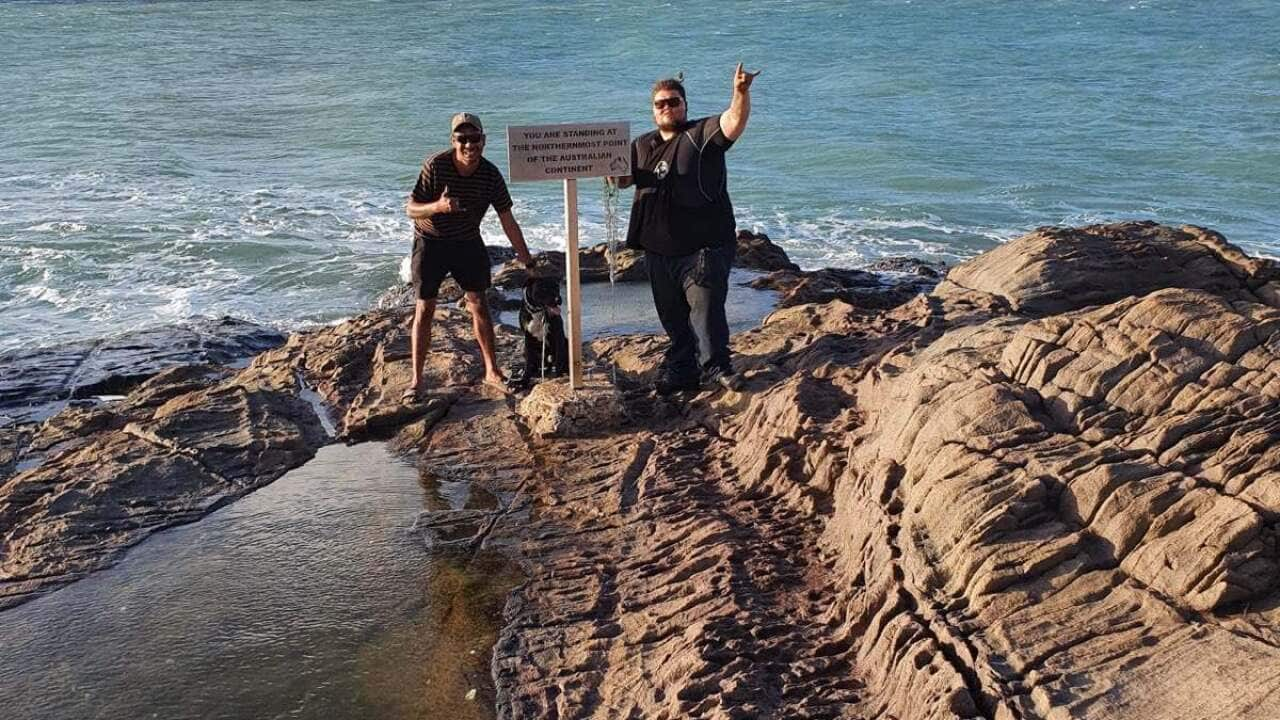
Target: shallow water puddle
310 598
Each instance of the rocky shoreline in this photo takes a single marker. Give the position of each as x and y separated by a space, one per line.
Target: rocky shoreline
40 382
1046 488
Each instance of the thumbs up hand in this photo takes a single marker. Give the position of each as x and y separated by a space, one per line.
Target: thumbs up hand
446 204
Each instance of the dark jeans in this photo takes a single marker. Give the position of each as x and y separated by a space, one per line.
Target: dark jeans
692 312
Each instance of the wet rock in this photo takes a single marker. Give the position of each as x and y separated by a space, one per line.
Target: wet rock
857 287
909 266
400 296
75 427
757 252
13 441
39 382
628 265
500 302
404 296
453 529
512 275
361 367
242 434
500 254
593 267
168 455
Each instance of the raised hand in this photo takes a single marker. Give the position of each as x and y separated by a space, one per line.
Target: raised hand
446 204
742 79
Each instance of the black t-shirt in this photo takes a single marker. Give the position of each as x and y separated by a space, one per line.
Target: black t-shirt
476 192
682 196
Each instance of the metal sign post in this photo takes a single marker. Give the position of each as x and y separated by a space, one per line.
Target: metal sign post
569 152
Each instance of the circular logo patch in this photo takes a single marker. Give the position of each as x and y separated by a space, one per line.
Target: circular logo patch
662 169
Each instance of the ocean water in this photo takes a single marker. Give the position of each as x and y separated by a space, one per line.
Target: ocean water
164 160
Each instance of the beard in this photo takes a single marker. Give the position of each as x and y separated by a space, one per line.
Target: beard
669 123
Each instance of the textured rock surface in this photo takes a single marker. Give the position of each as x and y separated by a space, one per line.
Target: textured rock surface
80 488
402 296
982 504
593 266
554 409
512 275
755 252
909 265
1075 511
360 368
36 383
183 444
872 290
671 563
1048 489
1057 269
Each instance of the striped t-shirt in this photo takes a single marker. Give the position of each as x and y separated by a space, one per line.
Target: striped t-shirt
476 192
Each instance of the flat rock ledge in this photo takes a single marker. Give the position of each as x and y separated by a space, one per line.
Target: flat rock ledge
877 290
37 383
1049 488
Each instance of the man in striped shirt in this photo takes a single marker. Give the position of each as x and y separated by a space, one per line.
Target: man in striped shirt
453 192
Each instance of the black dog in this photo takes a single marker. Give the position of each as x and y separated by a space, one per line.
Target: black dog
546 349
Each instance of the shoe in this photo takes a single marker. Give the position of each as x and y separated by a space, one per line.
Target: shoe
668 384
725 377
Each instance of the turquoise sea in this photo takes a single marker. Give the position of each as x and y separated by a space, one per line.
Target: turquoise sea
163 160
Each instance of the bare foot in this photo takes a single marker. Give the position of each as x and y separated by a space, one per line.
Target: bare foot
411 394
496 380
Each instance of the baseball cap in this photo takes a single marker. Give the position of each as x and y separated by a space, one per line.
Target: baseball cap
465 118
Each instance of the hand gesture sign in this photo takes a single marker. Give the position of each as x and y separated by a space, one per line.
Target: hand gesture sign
742 79
446 204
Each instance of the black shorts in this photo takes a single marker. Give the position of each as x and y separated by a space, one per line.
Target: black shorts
434 260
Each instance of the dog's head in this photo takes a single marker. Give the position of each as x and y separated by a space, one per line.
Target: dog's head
542 292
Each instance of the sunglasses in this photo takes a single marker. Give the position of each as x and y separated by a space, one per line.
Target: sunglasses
468 139
671 102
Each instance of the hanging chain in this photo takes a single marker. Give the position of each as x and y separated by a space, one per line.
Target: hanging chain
611 229
611 255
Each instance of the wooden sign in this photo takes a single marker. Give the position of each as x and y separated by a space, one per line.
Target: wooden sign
569 152
561 152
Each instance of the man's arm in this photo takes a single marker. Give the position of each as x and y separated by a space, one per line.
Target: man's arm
734 120
515 235
423 210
